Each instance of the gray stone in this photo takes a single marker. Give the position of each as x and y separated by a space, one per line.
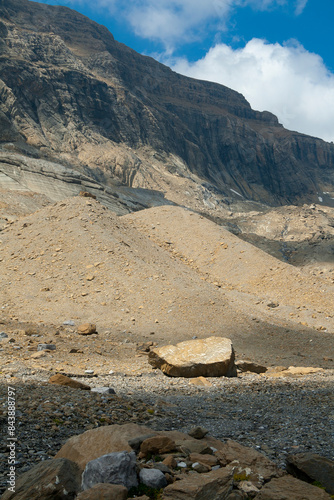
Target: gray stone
162 467
113 468
198 432
43 347
153 478
103 390
3 335
69 323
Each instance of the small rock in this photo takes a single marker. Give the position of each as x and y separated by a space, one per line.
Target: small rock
153 478
200 468
250 366
69 322
3 335
200 381
198 432
59 379
37 355
103 390
42 347
87 329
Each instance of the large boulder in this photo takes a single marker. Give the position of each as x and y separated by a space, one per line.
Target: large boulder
210 357
311 467
56 479
101 441
288 488
114 468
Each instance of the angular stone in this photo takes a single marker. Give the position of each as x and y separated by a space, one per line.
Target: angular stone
170 462
136 442
57 479
214 485
311 467
289 488
241 458
43 347
206 459
200 382
101 441
200 468
249 366
59 379
103 390
114 468
153 478
157 445
104 491
189 446
211 357
87 329
198 432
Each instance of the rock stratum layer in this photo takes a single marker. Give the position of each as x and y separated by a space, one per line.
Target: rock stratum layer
71 94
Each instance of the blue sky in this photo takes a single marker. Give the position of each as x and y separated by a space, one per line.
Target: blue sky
277 53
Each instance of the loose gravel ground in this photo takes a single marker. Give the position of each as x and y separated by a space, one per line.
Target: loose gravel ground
277 417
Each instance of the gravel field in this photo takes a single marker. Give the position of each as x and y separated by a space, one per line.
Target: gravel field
277 417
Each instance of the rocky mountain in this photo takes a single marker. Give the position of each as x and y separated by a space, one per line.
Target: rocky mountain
86 111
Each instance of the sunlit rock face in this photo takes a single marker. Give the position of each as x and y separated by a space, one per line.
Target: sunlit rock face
70 93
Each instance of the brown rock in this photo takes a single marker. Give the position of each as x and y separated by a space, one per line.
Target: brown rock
157 445
240 458
57 479
200 467
213 485
104 491
311 467
59 379
87 329
200 381
211 357
101 441
170 462
40 354
206 459
288 488
189 446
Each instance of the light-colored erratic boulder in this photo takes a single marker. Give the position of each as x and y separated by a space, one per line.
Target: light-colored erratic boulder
210 357
114 468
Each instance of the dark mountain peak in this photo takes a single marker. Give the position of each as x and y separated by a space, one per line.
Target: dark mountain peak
72 92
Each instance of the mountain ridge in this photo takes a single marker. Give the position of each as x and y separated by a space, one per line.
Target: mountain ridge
70 91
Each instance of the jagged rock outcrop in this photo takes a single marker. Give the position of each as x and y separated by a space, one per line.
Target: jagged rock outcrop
71 93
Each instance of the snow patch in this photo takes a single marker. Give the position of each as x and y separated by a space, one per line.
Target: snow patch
236 192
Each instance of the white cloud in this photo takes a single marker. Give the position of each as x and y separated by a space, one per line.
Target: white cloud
287 80
300 6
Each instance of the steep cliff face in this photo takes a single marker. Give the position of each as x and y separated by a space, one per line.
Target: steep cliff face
69 92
